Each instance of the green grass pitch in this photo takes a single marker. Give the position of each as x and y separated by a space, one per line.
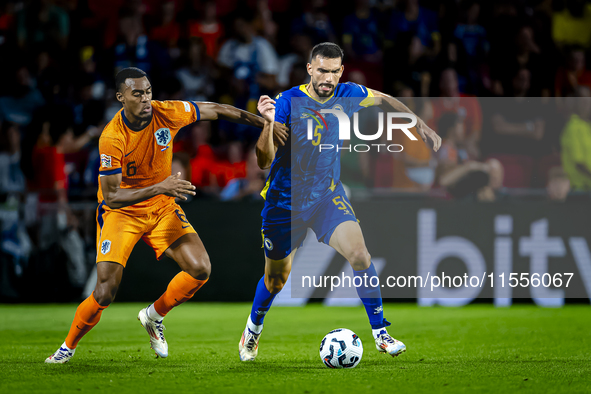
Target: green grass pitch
477 348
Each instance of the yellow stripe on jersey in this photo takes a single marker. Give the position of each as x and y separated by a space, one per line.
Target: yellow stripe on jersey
303 89
369 100
265 189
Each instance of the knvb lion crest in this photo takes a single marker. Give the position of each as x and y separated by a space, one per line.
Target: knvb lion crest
162 137
106 246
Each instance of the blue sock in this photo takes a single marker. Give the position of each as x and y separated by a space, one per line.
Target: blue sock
262 302
371 298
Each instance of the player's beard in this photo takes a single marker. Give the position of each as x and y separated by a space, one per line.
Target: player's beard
319 92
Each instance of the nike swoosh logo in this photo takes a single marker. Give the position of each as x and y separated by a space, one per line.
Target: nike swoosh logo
129 153
186 226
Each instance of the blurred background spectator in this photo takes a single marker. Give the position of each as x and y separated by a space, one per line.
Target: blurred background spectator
471 47
573 74
208 28
246 186
195 72
459 175
465 106
42 24
12 180
576 142
314 21
21 99
294 62
361 39
571 23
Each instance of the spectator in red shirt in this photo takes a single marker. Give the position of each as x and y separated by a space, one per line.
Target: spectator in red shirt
575 74
465 106
204 160
232 167
248 186
209 29
168 31
56 138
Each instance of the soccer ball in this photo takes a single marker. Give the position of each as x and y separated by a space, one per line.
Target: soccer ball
341 348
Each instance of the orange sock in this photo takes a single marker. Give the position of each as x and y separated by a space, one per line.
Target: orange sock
87 316
180 289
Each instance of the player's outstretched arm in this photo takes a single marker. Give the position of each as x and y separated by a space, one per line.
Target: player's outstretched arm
214 111
429 136
115 197
265 148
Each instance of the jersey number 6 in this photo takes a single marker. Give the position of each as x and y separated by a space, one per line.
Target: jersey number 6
131 169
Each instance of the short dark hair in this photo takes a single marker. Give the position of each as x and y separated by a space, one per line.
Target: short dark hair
328 50
129 72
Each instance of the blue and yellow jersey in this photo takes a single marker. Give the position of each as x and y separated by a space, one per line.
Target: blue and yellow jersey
301 174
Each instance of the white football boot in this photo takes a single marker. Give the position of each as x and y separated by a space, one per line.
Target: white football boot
248 347
156 331
61 356
386 344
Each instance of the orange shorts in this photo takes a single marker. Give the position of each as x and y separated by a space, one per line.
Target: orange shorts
118 231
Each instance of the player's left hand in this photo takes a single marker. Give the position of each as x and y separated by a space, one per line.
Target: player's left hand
429 136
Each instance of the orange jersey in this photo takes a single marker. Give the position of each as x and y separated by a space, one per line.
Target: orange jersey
144 157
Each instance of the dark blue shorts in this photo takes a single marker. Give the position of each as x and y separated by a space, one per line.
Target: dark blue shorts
284 230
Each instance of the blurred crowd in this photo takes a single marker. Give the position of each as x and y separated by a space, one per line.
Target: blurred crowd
56 89
469 67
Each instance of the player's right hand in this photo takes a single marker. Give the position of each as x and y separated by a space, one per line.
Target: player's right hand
175 187
429 136
266 107
280 133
